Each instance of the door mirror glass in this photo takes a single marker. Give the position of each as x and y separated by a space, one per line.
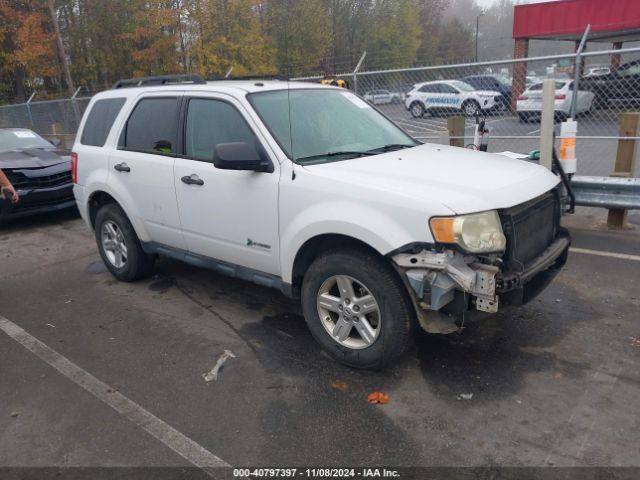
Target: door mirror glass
240 156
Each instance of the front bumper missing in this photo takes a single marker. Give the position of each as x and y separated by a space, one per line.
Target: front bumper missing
435 279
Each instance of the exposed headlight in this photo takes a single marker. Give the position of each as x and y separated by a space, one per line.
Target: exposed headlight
475 233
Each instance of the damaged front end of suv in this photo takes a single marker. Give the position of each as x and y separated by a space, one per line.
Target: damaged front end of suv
484 261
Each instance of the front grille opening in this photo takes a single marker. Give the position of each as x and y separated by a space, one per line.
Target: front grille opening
23 182
530 228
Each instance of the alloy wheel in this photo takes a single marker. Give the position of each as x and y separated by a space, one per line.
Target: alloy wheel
113 244
349 312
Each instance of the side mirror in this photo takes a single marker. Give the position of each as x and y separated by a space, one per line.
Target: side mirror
240 156
55 142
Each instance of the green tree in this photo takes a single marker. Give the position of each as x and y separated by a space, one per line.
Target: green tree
300 34
229 35
351 22
395 36
455 42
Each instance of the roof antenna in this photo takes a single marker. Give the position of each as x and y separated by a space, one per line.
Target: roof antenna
293 157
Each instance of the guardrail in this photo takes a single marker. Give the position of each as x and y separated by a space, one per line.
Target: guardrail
607 192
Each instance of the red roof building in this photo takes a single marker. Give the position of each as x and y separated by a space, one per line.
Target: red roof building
612 21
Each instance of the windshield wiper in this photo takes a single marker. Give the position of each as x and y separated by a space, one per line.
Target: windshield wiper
335 154
390 147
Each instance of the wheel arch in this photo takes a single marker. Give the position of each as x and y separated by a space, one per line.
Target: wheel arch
316 246
100 197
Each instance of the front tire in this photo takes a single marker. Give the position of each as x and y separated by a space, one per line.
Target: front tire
119 245
357 308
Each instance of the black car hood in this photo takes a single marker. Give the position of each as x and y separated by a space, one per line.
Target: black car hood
31 158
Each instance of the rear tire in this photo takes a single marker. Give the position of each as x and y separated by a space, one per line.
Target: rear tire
471 108
119 245
329 307
417 110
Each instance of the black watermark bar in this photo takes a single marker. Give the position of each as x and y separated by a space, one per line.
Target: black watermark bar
346 473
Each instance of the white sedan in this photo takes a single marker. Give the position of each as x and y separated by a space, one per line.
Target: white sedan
380 97
529 104
450 95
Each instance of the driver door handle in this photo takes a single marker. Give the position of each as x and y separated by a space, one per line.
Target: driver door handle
122 167
192 179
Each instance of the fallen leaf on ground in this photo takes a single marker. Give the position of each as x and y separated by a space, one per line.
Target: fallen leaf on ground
378 397
339 385
465 396
635 341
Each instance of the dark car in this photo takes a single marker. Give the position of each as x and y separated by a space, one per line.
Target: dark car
620 86
40 173
497 83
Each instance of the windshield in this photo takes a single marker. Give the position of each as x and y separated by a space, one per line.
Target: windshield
21 140
462 86
326 125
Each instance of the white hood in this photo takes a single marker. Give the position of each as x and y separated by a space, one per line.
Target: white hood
462 180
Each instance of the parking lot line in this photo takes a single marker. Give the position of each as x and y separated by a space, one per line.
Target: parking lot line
621 256
172 438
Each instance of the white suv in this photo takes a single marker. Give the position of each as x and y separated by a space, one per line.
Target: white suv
450 96
310 190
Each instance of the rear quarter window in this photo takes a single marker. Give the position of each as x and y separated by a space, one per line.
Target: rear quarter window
100 120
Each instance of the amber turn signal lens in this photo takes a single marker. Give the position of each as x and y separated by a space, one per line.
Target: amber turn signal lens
442 229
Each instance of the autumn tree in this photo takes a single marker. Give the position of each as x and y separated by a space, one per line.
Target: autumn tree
152 40
28 52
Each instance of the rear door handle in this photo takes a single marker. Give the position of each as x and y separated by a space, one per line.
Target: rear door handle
122 167
192 179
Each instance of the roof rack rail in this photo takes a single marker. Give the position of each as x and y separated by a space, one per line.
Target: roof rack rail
158 80
252 77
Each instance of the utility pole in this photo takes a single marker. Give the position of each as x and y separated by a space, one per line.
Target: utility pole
481 14
61 53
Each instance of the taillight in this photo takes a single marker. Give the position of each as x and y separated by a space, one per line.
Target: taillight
561 96
523 97
74 167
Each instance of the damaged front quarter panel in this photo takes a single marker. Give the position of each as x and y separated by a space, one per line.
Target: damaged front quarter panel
433 279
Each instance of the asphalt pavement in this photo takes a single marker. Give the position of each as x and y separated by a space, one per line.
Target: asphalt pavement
555 383
596 154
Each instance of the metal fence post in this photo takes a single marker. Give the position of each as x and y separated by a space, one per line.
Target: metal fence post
74 106
576 74
547 122
355 72
29 108
625 161
456 127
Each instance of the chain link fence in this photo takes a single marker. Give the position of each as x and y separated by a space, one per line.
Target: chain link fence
59 118
506 93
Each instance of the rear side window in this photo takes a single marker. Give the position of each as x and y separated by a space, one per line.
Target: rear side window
429 88
152 127
100 120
